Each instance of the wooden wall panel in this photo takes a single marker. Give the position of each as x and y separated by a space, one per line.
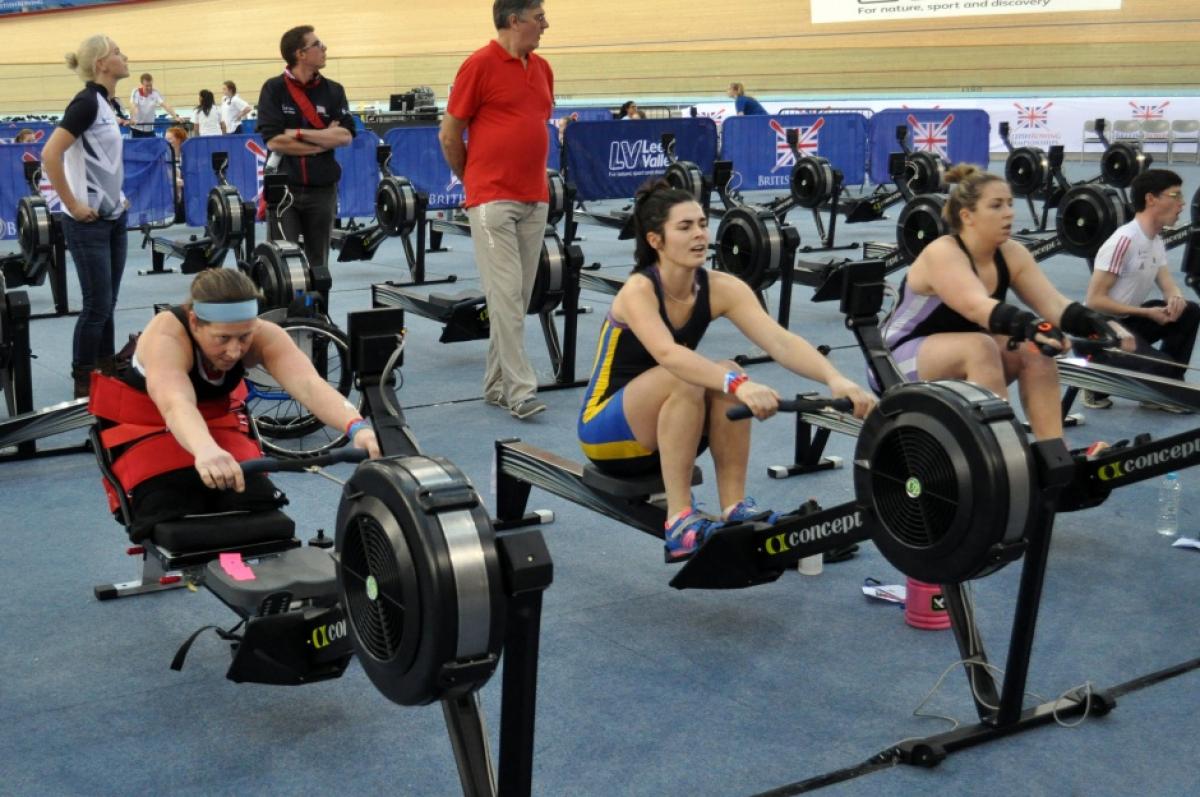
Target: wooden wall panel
624 48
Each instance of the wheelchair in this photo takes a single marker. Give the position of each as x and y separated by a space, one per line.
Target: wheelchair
291 629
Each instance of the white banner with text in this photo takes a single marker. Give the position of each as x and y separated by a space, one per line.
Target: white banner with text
883 10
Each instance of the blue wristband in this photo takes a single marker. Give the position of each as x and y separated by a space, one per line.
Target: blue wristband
355 427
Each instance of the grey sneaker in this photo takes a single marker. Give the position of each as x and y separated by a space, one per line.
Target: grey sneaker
1095 402
1172 408
495 401
526 408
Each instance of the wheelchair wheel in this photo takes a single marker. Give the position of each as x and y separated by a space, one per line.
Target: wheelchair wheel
285 427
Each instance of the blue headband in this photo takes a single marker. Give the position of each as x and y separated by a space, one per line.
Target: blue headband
226 312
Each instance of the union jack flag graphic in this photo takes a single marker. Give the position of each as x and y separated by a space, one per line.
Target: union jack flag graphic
1149 111
453 182
932 136
717 116
53 203
260 163
1031 116
806 145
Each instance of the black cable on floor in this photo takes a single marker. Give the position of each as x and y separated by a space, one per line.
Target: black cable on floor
1153 678
891 757
884 760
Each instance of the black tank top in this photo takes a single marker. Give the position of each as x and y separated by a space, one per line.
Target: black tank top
206 388
630 358
941 318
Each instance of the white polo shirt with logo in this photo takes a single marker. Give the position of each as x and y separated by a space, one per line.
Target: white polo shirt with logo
1135 259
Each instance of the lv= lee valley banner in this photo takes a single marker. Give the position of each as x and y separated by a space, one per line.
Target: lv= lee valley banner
882 10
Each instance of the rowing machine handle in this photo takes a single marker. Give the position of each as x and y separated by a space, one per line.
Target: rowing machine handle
741 412
275 465
1094 343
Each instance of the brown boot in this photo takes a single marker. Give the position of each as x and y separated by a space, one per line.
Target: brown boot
82 375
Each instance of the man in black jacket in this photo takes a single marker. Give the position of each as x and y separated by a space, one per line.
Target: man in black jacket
303 117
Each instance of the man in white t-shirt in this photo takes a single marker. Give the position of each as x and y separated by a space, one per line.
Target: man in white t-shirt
233 108
1128 267
144 103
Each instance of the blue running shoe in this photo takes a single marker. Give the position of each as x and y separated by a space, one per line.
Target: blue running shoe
747 511
687 533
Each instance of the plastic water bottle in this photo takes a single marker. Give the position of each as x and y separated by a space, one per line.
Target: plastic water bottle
1168 505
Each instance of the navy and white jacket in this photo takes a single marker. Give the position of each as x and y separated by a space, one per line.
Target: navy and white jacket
93 164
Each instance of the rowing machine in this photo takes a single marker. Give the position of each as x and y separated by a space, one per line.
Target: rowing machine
229 225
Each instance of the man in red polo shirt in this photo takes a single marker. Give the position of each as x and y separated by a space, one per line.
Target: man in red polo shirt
502 97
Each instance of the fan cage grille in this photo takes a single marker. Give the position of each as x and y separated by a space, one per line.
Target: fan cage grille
917 513
379 623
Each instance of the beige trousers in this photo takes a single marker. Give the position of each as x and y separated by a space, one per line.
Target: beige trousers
507 237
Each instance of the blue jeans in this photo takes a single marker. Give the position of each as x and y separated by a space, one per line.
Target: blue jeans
98 249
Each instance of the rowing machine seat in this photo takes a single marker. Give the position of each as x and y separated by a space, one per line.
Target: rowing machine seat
222 531
457 300
624 487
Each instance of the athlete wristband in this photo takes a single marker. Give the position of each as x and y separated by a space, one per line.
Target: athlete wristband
734 380
299 136
355 426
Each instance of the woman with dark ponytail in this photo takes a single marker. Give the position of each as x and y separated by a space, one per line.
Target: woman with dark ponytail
952 320
653 403
206 117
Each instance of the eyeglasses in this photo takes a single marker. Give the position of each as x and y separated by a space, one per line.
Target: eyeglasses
1175 194
317 43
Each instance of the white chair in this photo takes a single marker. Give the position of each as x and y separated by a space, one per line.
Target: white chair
1090 136
1157 131
1184 131
1127 130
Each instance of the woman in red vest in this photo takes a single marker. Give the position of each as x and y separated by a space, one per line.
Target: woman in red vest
179 430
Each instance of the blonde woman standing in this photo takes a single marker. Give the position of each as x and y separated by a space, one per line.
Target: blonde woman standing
82 159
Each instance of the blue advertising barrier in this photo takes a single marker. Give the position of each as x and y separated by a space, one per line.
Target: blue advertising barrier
43 6
12 183
148 182
417 155
360 175
554 156
247 156
960 135
41 131
609 160
762 160
583 114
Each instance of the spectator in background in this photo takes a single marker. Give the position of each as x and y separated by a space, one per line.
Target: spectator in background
503 95
303 117
743 102
233 108
629 110
206 117
145 102
25 136
1131 265
563 122
175 137
83 162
